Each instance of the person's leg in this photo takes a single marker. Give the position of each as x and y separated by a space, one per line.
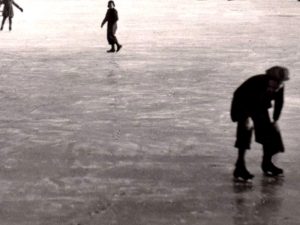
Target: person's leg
119 47
241 162
112 49
270 138
243 141
114 37
3 21
110 39
240 170
10 23
267 165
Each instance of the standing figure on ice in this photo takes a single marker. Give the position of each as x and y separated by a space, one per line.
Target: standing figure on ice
8 11
252 100
111 18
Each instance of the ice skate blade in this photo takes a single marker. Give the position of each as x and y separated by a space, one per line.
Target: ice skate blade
270 174
242 180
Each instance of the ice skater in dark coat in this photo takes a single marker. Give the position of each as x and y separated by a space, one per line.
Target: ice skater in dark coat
8 11
111 18
252 100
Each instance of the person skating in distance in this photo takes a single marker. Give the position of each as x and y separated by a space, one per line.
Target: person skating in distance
251 102
8 11
111 18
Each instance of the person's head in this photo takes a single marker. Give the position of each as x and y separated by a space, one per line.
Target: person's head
111 4
277 76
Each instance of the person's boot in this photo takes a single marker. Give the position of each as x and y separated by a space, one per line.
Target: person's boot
270 169
267 166
111 50
119 47
241 172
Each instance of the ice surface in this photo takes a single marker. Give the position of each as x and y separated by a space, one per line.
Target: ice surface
142 136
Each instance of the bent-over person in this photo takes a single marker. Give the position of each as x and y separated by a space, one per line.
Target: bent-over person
250 105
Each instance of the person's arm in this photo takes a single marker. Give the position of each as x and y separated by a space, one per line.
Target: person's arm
238 108
105 19
15 4
279 99
233 109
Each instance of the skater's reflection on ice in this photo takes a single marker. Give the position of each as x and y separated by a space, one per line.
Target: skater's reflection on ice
251 208
114 67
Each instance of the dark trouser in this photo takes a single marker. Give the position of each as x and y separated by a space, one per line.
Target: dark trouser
265 133
111 34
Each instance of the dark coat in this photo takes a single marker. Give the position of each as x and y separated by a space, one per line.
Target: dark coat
8 10
111 17
251 98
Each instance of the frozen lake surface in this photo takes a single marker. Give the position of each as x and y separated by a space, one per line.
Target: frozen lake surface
143 136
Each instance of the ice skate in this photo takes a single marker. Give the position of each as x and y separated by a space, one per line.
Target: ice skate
270 169
242 174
